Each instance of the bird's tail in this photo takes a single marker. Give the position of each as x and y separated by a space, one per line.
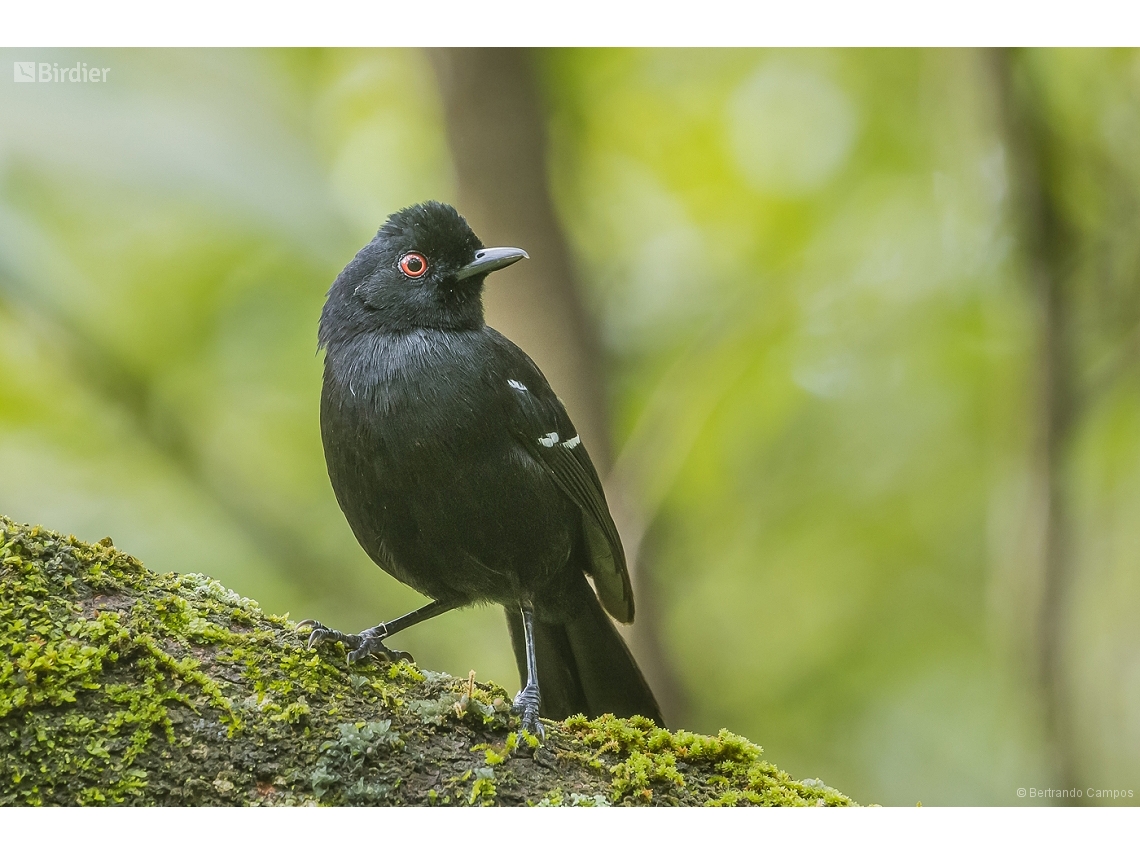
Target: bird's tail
584 665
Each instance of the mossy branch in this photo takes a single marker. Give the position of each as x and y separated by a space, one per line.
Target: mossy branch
118 685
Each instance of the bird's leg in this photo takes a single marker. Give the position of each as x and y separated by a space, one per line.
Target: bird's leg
370 642
526 701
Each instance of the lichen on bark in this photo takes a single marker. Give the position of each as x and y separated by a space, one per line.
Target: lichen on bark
118 685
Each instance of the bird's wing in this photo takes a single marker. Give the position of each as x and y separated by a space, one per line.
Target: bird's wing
540 424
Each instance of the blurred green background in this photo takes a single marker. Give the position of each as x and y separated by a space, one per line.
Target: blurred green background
869 323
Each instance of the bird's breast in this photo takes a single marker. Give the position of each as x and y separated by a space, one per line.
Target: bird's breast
416 415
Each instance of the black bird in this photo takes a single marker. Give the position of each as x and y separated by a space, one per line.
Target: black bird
461 474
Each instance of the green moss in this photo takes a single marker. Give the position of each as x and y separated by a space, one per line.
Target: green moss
556 799
121 686
658 766
57 650
483 789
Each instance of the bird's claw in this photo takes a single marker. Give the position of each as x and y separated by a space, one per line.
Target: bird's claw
321 633
360 647
373 645
526 705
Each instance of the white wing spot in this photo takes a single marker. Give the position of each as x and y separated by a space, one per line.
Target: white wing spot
549 440
515 384
572 443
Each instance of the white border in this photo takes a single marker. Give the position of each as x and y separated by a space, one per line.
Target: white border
719 23
553 831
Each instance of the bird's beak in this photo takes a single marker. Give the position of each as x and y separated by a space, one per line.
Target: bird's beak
492 258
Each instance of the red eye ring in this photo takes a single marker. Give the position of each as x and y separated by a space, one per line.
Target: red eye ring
413 265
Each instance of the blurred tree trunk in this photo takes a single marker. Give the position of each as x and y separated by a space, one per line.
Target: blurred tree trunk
1047 249
497 136
498 146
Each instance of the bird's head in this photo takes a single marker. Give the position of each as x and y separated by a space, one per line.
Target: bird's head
423 270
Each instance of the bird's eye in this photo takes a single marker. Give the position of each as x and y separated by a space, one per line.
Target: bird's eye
414 265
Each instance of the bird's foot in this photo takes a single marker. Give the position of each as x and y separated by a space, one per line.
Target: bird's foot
526 705
360 646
